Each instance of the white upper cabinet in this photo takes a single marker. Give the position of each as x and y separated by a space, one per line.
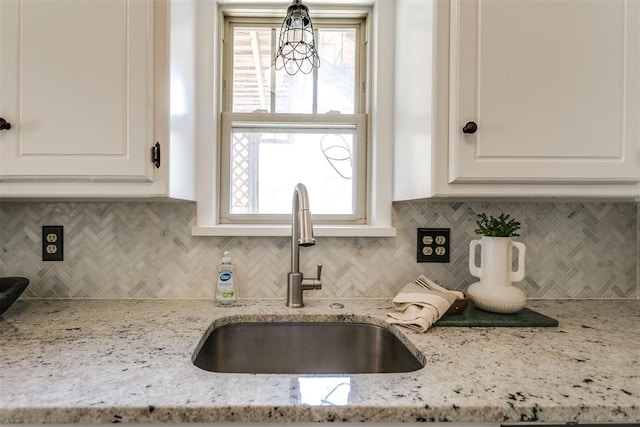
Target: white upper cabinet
553 87
76 85
85 85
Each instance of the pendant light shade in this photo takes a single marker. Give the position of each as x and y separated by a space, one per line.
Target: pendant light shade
297 46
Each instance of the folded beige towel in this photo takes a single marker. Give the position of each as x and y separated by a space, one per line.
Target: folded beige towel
421 303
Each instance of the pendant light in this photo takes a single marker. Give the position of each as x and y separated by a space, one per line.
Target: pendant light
297 46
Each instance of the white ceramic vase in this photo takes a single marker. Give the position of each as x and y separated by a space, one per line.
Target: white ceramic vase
495 291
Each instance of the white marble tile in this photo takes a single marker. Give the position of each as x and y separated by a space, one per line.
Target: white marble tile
146 250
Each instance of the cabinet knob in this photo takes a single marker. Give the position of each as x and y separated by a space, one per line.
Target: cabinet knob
4 125
470 127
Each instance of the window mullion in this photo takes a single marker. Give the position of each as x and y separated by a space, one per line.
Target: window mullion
314 108
274 47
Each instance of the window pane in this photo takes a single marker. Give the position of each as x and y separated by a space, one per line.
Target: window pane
266 165
336 75
255 80
251 69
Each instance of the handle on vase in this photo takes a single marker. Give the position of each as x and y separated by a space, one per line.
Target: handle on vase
518 275
473 268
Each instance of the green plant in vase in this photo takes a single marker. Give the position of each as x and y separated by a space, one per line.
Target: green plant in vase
503 226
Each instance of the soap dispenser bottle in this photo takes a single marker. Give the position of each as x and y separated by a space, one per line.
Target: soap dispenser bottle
225 286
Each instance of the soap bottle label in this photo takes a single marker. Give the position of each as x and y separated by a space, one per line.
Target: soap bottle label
225 291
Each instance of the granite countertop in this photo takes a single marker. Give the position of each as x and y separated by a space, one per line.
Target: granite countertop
130 361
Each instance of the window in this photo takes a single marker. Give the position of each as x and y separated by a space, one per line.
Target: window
370 118
278 130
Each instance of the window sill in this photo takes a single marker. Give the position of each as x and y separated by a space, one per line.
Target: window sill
285 230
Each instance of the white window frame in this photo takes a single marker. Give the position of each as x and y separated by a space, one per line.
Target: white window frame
379 107
318 119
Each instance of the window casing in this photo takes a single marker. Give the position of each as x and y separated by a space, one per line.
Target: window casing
277 130
203 25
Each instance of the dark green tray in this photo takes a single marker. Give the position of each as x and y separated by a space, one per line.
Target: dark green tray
473 316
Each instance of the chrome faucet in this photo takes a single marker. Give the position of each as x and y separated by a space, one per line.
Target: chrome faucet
301 235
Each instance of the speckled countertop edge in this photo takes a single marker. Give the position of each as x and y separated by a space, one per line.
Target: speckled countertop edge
99 361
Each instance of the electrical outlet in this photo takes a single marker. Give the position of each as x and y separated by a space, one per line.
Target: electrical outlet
433 245
52 243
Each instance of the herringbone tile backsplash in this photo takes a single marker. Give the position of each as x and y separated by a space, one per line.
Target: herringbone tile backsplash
145 250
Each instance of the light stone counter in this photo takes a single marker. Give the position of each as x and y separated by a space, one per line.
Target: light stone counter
130 361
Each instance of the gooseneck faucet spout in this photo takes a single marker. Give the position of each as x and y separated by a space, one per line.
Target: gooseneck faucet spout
301 235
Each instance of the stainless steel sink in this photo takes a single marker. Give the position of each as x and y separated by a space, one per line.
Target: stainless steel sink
304 348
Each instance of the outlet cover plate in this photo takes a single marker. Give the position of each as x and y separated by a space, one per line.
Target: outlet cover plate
434 245
52 243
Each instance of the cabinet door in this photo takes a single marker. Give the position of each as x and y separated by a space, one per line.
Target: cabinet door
76 86
553 87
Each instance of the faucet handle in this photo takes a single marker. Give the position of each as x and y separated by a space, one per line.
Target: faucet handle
315 283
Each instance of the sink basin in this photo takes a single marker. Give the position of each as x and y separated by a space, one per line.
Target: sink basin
10 290
304 348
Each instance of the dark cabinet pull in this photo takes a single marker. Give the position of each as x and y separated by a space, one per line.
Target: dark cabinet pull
470 127
4 125
155 155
